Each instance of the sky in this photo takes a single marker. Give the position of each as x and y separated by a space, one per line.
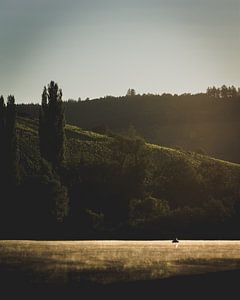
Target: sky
93 48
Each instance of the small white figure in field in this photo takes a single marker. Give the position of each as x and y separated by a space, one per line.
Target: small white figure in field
175 241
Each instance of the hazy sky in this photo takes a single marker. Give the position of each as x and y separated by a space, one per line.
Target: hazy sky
94 48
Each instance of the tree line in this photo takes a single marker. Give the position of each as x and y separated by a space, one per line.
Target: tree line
224 92
51 131
41 196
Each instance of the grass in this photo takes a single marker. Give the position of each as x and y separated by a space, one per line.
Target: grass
194 157
78 137
79 133
164 164
107 262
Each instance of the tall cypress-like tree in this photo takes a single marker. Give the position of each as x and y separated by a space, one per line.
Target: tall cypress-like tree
12 159
2 115
52 145
2 141
52 125
2 162
43 134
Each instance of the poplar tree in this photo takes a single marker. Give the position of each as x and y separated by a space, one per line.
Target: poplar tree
52 146
43 134
52 125
12 159
2 115
3 141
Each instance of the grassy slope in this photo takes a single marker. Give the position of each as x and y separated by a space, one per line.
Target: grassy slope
189 122
195 123
96 148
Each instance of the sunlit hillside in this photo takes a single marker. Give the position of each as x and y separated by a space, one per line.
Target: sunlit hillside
192 122
182 187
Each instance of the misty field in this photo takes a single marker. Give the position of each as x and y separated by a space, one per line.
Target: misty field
64 262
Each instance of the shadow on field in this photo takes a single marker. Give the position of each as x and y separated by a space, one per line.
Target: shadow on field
210 286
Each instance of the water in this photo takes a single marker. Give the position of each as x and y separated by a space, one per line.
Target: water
115 261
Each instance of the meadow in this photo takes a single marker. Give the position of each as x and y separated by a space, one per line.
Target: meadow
107 262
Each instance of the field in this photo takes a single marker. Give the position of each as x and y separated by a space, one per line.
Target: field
107 262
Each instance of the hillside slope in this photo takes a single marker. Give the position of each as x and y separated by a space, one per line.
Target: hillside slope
183 186
196 123
95 147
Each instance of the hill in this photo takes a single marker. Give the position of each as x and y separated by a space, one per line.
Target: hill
192 122
121 185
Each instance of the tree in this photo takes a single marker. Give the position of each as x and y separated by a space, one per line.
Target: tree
2 126
52 125
3 141
45 200
43 134
213 92
9 162
232 92
131 93
130 155
12 159
2 116
224 91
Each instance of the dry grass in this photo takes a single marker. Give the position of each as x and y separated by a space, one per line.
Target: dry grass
111 261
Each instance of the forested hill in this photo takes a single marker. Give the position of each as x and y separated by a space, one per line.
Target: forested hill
183 192
201 123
